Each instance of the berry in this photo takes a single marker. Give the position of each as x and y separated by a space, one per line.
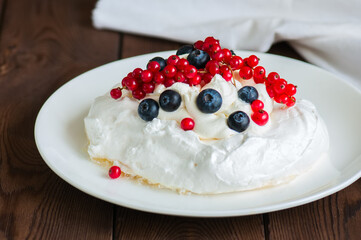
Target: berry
227 54
291 89
279 87
236 62
198 58
182 64
212 67
158 77
185 49
283 98
245 72
147 76
209 101
169 82
131 83
137 73
153 66
226 73
138 94
116 93
172 60
114 172
207 78
257 105
238 121
148 87
170 100
195 80
169 71
272 77
179 77
161 62
218 56
248 94
215 48
259 74
270 91
124 80
190 71
291 101
252 61
260 117
198 44
187 124
148 109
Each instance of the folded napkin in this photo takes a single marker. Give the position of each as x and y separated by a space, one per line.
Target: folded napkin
326 33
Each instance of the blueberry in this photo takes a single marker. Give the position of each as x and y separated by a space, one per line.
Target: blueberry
185 49
238 121
161 62
148 109
170 100
198 58
209 101
248 94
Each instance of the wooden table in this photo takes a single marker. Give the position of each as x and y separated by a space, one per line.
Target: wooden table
44 44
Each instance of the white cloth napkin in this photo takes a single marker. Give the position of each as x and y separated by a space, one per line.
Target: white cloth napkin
327 33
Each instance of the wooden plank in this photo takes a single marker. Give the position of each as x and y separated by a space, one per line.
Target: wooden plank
335 217
131 224
43 44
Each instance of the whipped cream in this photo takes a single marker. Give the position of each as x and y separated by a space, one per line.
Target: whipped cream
212 158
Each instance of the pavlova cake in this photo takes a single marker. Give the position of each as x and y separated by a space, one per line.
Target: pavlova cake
205 121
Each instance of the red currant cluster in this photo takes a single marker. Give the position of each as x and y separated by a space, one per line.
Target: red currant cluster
221 61
259 116
280 90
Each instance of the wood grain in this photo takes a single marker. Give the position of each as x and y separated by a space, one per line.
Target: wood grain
334 217
43 44
132 224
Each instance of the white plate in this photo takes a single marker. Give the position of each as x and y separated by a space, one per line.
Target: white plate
60 137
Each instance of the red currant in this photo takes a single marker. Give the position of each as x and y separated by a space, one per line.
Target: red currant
116 93
198 44
169 82
291 101
195 80
169 71
114 172
131 84
272 77
182 64
187 124
279 87
153 66
190 71
138 94
259 74
252 61
215 48
172 60
257 105
179 77
148 87
236 62
212 67
207 78
137 73
158 77
147 76
124 81
226 73
246 72
283 98
227 54
260 117
270 91
291 89
218 56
